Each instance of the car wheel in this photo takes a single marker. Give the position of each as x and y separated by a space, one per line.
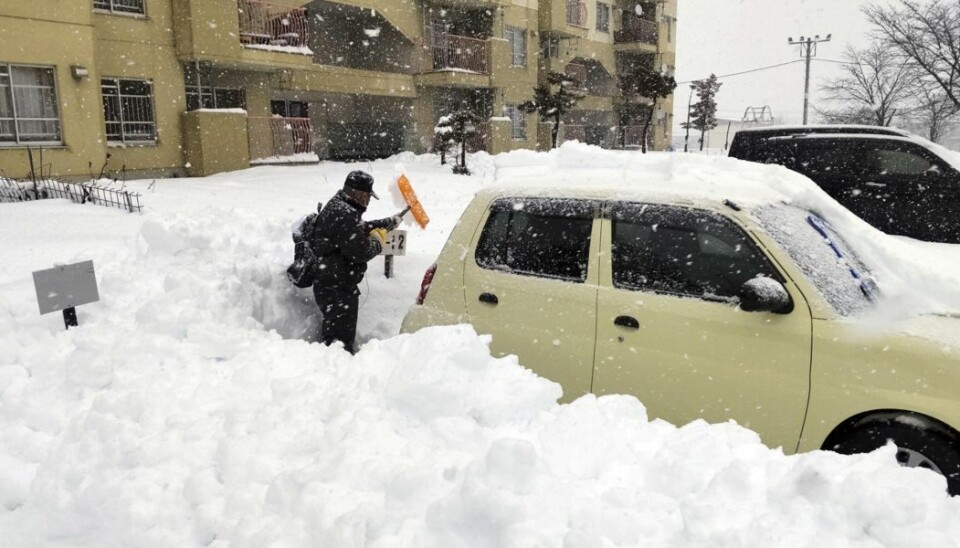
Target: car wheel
917 446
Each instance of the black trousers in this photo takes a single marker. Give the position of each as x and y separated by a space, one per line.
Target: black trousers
339 306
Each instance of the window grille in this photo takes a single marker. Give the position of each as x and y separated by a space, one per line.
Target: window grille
120 6
518 45
603 17
518 123
128 110
28 105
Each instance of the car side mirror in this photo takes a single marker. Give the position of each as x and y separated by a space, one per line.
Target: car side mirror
765 295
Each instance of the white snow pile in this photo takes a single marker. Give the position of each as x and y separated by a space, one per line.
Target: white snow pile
188 409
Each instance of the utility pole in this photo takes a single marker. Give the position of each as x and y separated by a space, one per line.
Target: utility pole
686 139
808 49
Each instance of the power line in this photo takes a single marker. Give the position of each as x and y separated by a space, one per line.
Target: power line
746 71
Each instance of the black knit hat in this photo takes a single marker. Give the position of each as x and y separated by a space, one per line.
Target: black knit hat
360 180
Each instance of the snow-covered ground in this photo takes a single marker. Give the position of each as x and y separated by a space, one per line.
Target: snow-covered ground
189 409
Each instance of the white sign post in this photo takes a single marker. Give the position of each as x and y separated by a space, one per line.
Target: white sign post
64 288
395 245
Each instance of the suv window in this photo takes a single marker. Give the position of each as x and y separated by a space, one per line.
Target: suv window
683 251
549 238
898 162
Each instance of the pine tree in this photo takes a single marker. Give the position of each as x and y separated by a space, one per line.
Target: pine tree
552 105
647 83
703 113
457 128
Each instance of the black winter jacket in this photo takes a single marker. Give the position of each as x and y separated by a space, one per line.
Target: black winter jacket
342 242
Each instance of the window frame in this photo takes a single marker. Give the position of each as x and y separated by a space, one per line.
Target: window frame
514 35
124 141
17 142
587 210
603 7
112 9
755 247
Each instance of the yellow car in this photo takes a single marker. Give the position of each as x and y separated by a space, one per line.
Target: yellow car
702 310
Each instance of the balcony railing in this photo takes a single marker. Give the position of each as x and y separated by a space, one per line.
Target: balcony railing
574 133
277 139
638 30
266 24
576 13
453 52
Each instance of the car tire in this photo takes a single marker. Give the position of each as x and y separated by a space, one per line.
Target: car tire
927 446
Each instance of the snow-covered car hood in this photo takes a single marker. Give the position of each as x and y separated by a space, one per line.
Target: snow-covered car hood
943 329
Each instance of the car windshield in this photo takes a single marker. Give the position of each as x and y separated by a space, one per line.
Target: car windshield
822 255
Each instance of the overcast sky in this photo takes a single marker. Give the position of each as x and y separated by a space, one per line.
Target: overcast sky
729 36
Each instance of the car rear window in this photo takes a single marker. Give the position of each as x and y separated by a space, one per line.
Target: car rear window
546 238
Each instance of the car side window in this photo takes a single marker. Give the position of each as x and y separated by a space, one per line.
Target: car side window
893 161
834 160
683 251
547 238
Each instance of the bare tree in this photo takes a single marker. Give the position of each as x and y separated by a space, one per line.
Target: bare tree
927 34
873 90
934 113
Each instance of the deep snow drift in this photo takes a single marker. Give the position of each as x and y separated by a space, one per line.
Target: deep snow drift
188 410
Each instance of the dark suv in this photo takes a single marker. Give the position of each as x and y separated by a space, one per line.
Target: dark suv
894 181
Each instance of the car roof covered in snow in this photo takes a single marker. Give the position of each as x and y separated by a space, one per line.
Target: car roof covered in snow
581 171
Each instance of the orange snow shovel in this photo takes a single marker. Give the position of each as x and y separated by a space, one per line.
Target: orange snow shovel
410 197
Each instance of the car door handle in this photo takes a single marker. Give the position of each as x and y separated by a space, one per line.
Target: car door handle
627 321
489 298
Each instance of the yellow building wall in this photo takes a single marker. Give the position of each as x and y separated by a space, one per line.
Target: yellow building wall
79 102
143 48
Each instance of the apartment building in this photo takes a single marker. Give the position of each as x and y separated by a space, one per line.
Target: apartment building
174 87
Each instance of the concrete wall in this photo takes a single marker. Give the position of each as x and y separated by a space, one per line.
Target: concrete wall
215 142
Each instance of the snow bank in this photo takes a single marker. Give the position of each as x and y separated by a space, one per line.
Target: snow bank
188 410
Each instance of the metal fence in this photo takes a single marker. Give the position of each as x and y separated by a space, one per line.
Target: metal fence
80 193
276 137
451 51
263 23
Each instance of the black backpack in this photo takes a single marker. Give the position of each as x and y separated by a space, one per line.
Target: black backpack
303 270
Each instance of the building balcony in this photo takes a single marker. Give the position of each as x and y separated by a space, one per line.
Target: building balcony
638 31
273 139
452 52
272 26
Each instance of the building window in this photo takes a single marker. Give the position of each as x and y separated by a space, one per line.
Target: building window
518 122
217 98
290 109
28 105
603 17
518 45
120 6
128 110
